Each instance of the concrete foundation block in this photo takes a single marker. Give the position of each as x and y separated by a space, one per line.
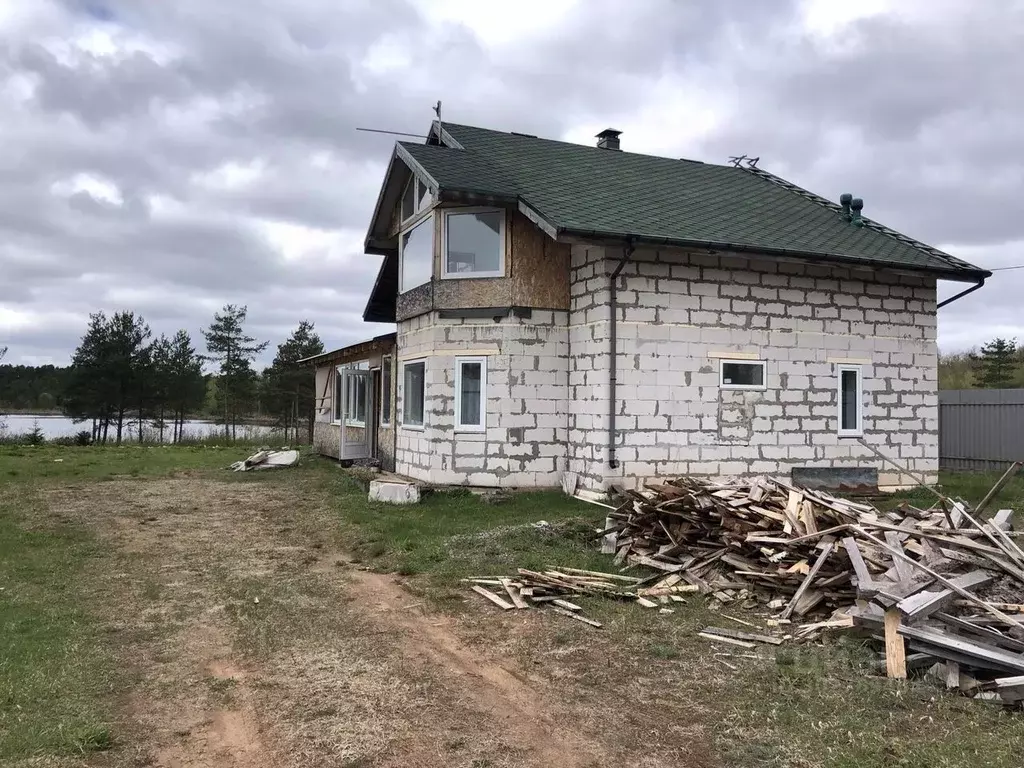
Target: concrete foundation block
394 492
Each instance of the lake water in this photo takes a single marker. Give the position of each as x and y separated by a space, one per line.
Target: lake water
61 426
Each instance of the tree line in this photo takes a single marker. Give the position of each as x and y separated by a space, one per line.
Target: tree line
122 379
999 364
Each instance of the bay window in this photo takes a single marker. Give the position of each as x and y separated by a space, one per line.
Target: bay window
473 243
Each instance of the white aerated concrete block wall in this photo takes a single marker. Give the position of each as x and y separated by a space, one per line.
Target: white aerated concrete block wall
524 444
680 313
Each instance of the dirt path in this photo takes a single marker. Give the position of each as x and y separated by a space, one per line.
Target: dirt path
254 644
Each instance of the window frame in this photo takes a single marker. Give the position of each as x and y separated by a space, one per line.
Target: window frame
405 395
415 221
502 234
419 205
857 431
736 361
360 365
482 426
385 391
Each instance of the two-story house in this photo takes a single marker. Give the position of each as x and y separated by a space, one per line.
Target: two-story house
565 308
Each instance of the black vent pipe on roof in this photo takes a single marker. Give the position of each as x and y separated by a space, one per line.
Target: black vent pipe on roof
856 205
844 200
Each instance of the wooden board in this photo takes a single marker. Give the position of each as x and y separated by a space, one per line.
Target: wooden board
513 594
985 656
924 604
729 640
739 635
895 651
503 604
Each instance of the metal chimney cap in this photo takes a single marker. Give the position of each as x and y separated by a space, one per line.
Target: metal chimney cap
845 199
857 204
608 133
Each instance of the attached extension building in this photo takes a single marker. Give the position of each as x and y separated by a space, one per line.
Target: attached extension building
565 308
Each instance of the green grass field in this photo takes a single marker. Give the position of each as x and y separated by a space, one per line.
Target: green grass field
60 684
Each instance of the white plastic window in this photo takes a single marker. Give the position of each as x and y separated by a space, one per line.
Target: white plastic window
414 393
471 394
850 394
742 374
474 243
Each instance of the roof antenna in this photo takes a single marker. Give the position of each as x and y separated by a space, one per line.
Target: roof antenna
752 162
440 127
737 160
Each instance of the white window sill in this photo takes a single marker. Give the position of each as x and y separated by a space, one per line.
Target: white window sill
850 433
470 275
386 424
475 429
744 387
413 427
356 424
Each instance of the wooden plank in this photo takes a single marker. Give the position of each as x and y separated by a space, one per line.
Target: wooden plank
923 604
857 561
503 604
985 655
807 516
982 633
513 593
941 579
1000 484
577 616
808 579
903 571
566 604
729 640
646 603
739 635
895 651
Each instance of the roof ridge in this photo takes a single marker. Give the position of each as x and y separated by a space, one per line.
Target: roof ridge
577 145
869 223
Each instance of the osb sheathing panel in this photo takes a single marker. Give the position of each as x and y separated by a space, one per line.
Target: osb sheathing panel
537 269
540 266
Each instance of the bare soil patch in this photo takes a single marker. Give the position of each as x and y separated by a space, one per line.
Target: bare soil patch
255 642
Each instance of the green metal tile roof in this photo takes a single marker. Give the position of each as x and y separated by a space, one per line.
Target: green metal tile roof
602 193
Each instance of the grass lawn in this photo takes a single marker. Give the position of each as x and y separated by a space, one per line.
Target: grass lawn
815 705
57 672
806 706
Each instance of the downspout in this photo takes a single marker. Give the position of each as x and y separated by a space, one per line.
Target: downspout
613 463
960 295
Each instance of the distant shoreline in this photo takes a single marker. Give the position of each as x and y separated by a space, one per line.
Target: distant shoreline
254 421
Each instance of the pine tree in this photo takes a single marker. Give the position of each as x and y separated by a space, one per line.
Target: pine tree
995 367
228 345
161 383
187 386
108 371
289 389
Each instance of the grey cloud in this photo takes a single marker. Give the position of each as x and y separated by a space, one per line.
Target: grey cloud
915 118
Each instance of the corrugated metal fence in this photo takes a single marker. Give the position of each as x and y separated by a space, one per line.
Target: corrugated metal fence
980 429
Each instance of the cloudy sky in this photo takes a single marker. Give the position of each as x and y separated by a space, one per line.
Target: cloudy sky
170 157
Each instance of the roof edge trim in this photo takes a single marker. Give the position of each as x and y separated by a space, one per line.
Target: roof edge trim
957 275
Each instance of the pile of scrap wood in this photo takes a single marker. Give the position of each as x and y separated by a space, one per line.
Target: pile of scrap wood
936 587
937 580
553 588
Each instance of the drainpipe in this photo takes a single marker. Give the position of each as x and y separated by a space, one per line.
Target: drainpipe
613 463
960 295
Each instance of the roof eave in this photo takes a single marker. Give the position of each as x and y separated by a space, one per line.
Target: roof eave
958 275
